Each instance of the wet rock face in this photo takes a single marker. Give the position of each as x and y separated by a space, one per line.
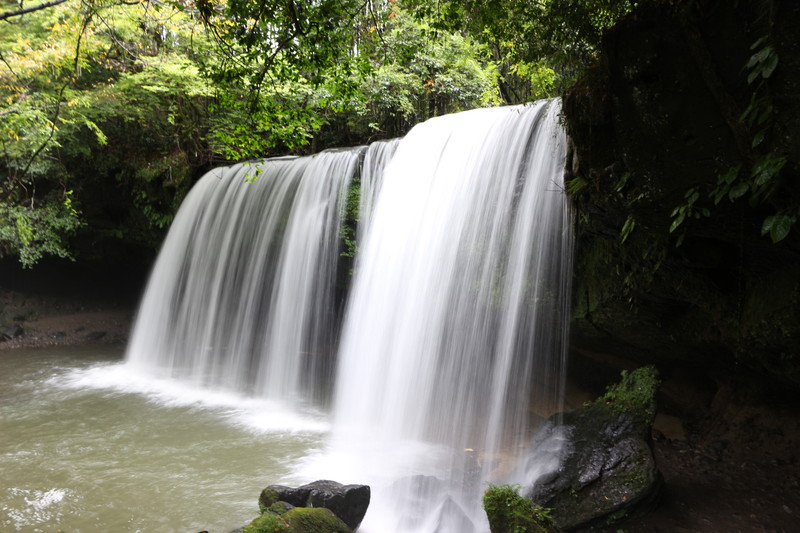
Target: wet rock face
347 502
607 469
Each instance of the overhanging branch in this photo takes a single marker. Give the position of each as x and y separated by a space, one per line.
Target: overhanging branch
18 12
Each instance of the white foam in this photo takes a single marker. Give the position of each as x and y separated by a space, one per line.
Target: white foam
253 414
38 506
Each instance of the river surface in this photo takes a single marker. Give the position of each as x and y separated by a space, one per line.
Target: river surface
87 445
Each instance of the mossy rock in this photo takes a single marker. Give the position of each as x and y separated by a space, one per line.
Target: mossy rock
267 523
314 520
268 497
297 520
607 469
348 502
508 512
279 508
635 394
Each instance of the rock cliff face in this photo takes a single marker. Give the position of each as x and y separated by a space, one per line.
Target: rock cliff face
656 121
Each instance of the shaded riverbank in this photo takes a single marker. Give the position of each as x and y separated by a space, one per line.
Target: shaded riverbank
72 328
60 303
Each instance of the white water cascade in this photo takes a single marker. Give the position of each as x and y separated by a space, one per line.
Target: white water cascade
242 296
454 337
455 333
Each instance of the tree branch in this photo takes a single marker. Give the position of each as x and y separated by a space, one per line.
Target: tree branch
18 12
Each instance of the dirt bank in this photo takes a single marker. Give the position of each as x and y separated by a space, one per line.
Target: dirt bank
107 326
60 303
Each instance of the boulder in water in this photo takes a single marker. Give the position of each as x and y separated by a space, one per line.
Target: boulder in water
607 470
347 502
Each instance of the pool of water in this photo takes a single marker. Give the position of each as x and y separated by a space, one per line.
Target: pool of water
86 444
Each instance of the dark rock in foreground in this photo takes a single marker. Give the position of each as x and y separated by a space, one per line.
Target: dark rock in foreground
607 470
348 502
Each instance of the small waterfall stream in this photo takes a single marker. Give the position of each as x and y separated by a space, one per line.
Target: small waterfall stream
453 340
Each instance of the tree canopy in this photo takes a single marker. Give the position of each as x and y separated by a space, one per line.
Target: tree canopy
110 109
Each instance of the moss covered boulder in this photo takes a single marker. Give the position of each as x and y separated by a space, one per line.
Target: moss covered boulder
348 502
298 520
314 520
607 470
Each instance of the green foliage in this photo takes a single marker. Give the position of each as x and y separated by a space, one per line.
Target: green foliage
686 210
763 61
635 392
758 178
576 185
508 512
627 228
540 46
32 232
347 233
417 74
124 103
777 226
96 93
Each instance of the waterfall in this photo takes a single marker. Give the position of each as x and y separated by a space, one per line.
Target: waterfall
242 295
379 154
455 333
452 347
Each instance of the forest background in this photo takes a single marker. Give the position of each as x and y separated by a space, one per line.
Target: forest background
111 109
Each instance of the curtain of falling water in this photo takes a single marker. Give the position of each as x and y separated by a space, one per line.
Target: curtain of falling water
455 332
242 294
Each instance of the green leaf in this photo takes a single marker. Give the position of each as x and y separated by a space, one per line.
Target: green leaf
627 228
730 175
622 182
759 42
719 193
758 57
737 191
766 168
677 222
759 138
765 114
778 227
769 66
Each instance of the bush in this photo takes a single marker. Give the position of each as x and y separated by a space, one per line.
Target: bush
509 512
